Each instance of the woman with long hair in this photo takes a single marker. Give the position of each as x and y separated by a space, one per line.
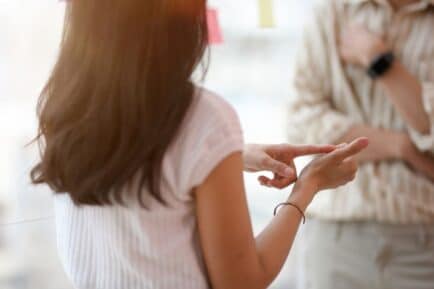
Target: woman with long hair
147 166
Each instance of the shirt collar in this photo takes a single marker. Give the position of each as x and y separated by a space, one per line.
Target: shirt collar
414 7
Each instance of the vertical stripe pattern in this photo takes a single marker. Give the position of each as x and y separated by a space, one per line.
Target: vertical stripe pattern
330 97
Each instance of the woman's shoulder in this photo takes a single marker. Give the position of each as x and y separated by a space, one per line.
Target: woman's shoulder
212 107
209 112
207 99
211 130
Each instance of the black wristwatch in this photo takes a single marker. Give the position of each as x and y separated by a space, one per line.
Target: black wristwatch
381 64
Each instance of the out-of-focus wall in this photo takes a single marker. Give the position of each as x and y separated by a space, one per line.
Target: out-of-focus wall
29 36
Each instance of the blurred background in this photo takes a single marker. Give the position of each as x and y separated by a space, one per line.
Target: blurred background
251 69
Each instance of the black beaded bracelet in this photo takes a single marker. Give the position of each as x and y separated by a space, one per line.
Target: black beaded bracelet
293 205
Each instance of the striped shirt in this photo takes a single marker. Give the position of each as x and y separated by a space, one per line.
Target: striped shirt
156 248
331 96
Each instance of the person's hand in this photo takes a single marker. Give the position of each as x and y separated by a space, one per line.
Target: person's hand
418 161
383 143
329 171
359 46
278 159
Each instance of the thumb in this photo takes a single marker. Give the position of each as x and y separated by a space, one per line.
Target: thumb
351 149
278 168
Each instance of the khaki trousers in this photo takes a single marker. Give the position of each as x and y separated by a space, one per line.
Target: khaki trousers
365 255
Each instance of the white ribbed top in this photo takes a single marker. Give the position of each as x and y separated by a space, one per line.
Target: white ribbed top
127 248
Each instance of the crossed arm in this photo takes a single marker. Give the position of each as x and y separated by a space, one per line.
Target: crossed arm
359 46
405 93
315 120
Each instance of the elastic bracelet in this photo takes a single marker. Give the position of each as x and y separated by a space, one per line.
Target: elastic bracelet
293 205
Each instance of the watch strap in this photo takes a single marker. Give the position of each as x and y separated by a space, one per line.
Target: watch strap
381 64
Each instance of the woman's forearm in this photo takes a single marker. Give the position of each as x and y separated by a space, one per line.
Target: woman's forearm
324 172
234 258
275 241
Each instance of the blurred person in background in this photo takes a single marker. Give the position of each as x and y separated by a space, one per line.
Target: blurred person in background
367 68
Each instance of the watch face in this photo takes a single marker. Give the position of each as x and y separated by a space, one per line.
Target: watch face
381 65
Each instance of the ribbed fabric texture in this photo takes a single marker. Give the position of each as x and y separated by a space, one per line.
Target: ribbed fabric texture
331 96
134 248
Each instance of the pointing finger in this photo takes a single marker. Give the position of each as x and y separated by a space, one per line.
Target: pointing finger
304 150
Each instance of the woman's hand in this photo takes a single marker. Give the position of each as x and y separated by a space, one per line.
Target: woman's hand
233 257
278 159
329 171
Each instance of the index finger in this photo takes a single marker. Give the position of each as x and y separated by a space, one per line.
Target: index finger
304 150
349 150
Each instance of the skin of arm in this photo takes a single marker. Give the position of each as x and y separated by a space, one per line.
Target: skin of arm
386 145
233 257
405 93
359 46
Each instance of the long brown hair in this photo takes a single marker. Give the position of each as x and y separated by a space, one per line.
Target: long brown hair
117 95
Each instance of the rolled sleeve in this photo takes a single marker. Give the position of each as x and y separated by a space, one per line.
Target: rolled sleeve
425 142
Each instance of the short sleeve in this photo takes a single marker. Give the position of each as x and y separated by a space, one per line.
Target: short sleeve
425 142
212 131
222 138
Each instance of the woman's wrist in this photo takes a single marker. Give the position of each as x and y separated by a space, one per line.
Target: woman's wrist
302 194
